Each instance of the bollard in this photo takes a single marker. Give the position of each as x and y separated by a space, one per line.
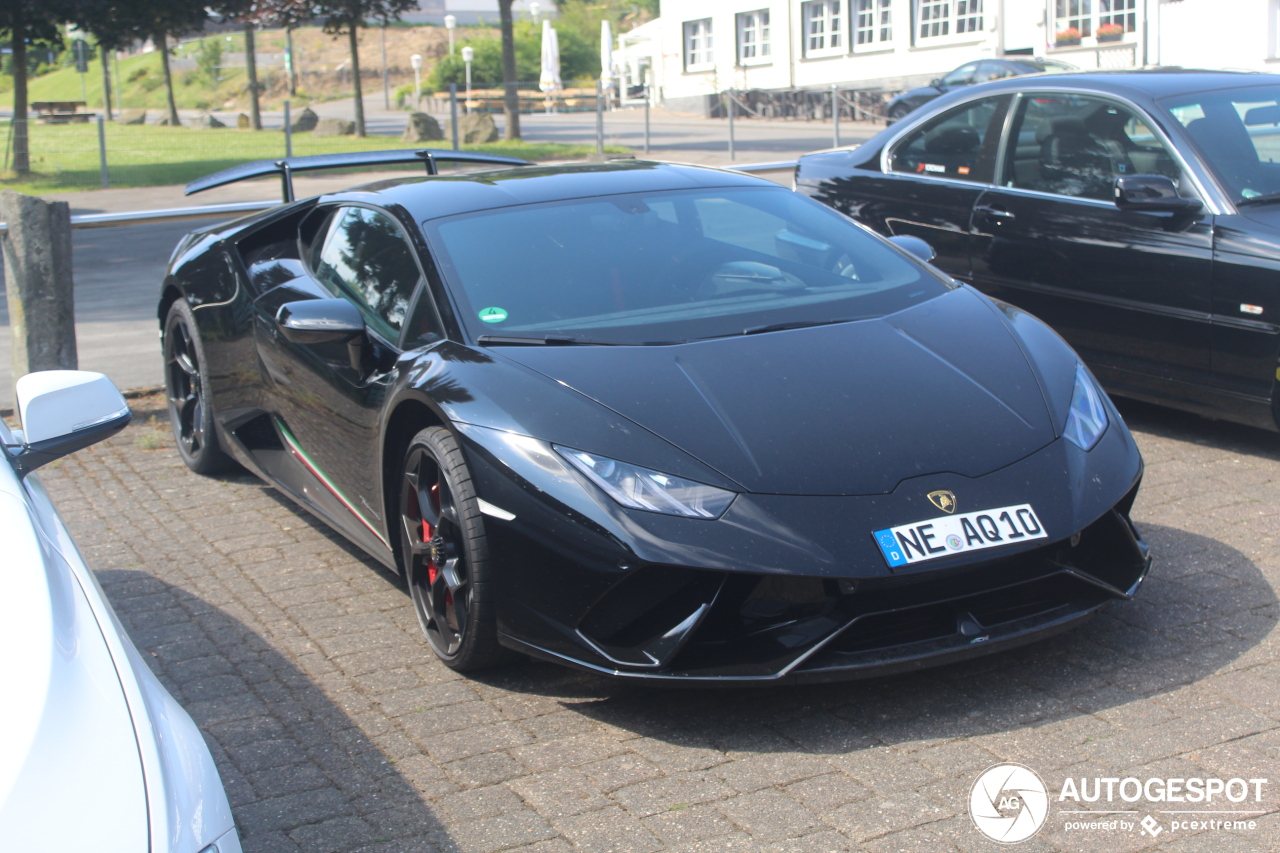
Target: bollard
102 151
729 104
37 272
835 117
453 112
599 117
288 132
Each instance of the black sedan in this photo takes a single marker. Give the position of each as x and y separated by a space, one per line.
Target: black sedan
655 421
1136 213
970 74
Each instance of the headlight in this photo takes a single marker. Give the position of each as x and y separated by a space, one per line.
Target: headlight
640 488
1087 419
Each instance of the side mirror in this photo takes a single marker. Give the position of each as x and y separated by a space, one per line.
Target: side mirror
1152 194
324 321
915 246
63 411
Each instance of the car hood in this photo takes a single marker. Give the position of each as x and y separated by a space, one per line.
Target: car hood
847 409
70 770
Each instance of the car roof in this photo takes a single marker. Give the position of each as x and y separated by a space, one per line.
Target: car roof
1152 82
445 195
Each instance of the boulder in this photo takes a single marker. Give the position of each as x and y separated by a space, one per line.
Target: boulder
132 117
334 127
306 121
476 127
242 121
422 128
206 122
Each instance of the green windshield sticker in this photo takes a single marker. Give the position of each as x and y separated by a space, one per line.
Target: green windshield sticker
493 315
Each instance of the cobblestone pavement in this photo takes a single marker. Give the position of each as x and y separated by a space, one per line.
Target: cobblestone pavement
336 730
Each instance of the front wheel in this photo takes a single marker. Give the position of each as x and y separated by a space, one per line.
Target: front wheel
186 385
445 555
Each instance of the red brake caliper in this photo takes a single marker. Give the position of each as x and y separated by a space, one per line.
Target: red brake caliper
432 569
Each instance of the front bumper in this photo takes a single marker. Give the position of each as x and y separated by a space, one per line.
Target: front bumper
792 589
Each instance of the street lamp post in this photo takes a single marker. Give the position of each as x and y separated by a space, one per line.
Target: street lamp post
450 24
416 62
468 54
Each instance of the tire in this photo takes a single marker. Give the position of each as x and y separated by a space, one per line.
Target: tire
186 385
899 112
445 555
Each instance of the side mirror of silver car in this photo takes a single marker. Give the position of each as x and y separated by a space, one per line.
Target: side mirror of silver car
63 411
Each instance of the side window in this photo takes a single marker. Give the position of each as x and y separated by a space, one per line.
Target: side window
962 76
366 259
1078 146
959 144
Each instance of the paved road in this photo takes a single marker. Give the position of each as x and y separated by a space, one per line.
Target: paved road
336 730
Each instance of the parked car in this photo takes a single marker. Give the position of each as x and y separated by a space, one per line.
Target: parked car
1137 213
655 421
96 754
969 74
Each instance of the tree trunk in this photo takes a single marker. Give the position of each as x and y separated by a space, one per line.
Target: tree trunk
251 69
106 80
353 34
21 151
162 44
511 98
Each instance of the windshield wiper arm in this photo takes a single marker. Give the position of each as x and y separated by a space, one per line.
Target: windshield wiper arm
782 327
549 341
1266 198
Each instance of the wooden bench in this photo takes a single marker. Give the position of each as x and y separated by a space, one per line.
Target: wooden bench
60 112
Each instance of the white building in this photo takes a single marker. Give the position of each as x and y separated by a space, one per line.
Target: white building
700 47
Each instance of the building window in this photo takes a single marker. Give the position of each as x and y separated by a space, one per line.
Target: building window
1074 15
697 45
943 18
823 25
1123 13
873 22
753 37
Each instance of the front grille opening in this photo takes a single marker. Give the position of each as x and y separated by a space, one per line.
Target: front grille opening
648 603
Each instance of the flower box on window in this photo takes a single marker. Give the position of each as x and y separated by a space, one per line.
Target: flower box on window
1067 37
1110 32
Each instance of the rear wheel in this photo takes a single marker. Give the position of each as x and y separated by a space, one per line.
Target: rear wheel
186 385
445 555
899 112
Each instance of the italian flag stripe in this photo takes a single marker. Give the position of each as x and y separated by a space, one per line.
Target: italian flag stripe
306 460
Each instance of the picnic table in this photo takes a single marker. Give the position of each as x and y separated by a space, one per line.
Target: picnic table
60 112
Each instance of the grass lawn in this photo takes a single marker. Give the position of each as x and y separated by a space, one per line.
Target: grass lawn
65 157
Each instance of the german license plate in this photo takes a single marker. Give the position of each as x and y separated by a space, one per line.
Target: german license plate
958 534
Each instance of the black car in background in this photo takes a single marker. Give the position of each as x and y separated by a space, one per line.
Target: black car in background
659 422
1137 213
969 74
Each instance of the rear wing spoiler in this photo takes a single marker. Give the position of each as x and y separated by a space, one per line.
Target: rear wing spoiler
286 166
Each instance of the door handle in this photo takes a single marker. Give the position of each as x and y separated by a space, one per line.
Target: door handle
996 214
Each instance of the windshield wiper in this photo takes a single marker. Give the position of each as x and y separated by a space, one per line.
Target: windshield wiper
548 341
1266 198
782 327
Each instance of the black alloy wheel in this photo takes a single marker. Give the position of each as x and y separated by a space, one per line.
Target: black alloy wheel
186 386
899 112
445 555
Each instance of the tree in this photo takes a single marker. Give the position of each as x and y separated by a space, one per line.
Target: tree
255 14
28 21
118 23
348 16
511 97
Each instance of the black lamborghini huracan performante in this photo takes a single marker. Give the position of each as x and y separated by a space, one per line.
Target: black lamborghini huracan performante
659 422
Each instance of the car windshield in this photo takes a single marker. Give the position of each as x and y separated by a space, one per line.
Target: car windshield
669 267
1237 132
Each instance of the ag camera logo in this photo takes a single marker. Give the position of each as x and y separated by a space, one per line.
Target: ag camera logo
1009 803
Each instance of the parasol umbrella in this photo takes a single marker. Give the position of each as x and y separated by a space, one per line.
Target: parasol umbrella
549 80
